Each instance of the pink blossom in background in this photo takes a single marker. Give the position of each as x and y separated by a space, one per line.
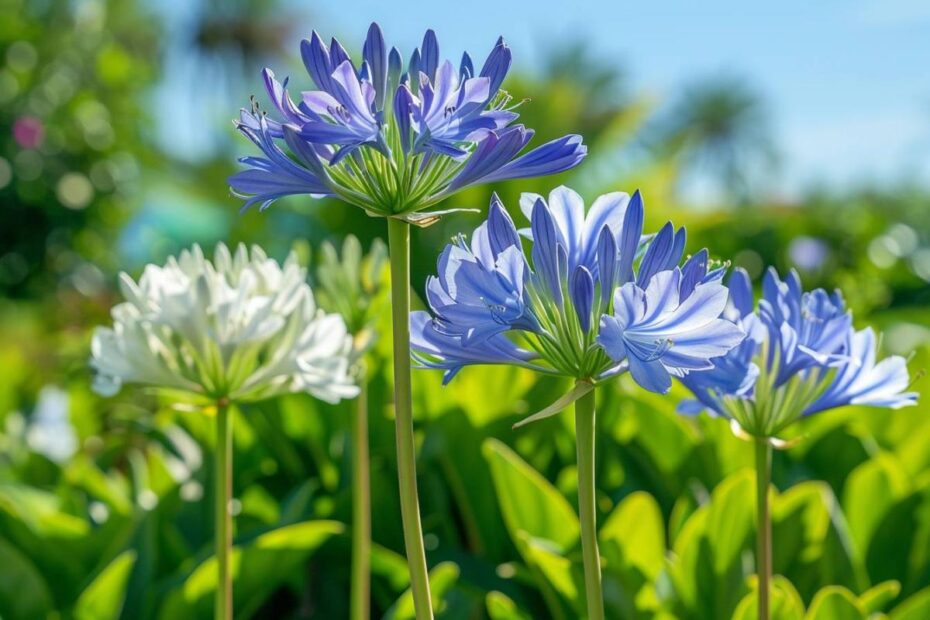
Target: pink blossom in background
28 132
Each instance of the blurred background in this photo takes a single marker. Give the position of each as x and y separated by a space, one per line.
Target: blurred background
795 135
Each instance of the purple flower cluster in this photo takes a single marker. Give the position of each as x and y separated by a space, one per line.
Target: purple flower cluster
389 137
593 299
801 356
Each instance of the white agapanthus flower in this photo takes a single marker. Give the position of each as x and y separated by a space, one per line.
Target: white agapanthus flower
241 328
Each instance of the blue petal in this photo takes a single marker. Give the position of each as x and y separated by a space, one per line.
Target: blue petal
317 61
693 273
656 254
375 54
496 66
650 375
501 231
582 293
741 292
545 251
429 54
630 235
606 264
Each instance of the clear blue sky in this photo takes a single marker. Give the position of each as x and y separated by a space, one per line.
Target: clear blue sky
848 83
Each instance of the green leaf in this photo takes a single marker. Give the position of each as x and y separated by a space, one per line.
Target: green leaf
258 568
528 501
634 535
103 598
835 603
441 580
813 544
916 607
632 544
785 602
502 607
553 573
870 493
24 594
875 599
707 565
581 388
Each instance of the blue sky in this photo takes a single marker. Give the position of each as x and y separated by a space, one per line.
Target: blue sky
846 82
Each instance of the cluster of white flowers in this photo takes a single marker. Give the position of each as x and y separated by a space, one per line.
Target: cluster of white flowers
241 327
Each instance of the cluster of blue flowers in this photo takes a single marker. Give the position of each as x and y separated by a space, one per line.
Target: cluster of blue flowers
802 355
594 298
390 138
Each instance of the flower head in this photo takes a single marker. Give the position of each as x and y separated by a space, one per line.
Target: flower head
390 138
354 285
593 299
240 327
802 356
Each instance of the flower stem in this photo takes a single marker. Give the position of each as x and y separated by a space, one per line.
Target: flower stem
223 525
361 507
399 248
763 525
584 437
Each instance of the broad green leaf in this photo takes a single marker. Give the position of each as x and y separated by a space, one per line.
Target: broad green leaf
812 541
441 580
707 564
502 607
871 492
528 501
634 534
581 388
916 607
835 603
103 598
875 599
24 594
553 573
258 568
454 443
785 603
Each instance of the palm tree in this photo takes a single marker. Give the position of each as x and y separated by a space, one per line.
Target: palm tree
719 127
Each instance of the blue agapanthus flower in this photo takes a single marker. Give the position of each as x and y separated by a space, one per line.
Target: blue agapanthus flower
594 298
801 356
392 138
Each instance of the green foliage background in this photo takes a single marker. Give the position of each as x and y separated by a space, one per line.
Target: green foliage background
117 524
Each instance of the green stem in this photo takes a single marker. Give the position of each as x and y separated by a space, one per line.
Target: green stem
223 531
763 525
584 437
361 508
399 248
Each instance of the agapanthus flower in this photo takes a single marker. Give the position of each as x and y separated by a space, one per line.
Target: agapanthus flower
802 356
391 137
594 298
239 328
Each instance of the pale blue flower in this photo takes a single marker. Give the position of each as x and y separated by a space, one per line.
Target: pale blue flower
592 300
801 356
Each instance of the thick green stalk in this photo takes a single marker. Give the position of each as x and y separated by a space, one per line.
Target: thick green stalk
763 524
399 247
584 438
361 508
222 514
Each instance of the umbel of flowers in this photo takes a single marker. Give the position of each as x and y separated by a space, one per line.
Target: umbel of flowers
237 329
394 138
591 300
390 136
802 356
